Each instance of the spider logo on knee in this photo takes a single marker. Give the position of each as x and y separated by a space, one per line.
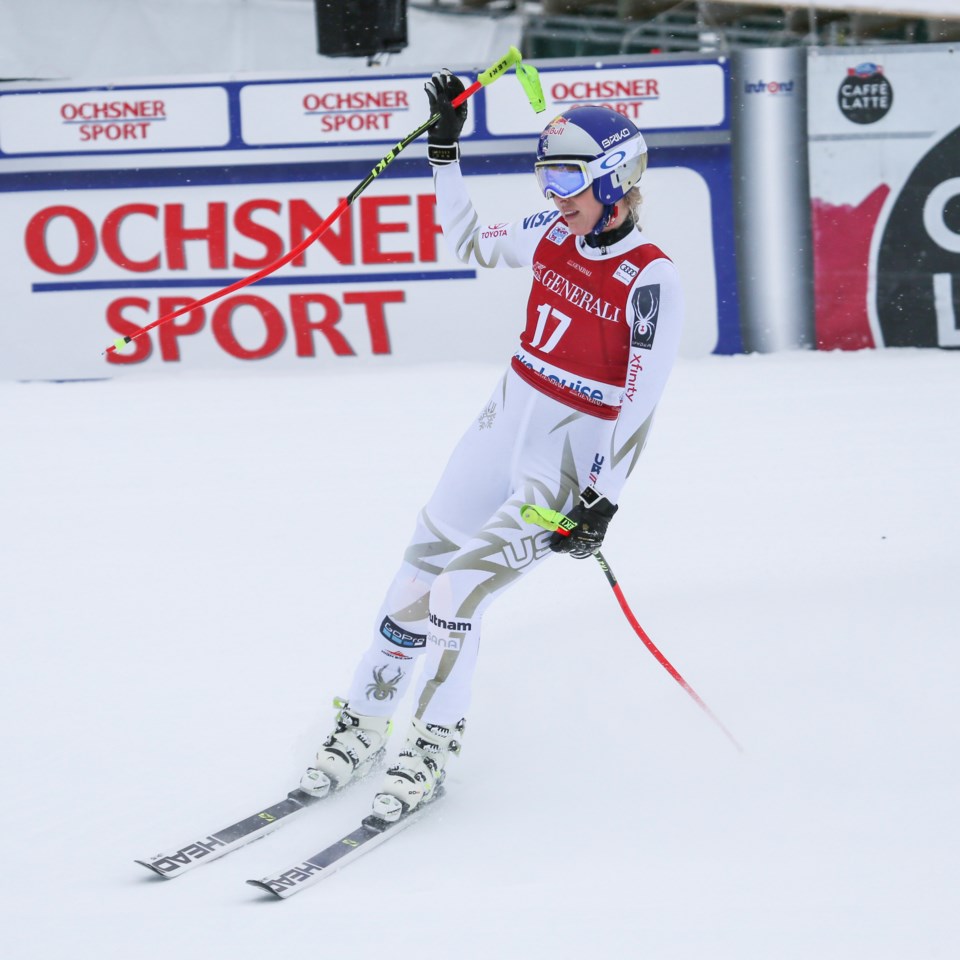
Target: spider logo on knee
382 689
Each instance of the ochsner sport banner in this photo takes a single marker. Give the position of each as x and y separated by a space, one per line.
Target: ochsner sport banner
885 193
123 202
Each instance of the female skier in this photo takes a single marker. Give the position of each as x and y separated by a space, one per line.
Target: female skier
563 430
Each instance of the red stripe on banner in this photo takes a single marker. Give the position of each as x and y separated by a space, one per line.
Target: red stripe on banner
841 241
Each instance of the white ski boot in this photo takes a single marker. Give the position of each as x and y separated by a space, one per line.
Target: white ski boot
349 753
413 780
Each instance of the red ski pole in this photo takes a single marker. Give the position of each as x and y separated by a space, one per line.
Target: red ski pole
528 78
555 521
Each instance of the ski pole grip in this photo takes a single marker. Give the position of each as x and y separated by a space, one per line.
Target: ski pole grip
487 76
552 520
500 67
528 77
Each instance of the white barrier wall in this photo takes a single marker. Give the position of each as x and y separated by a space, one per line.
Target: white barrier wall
124 202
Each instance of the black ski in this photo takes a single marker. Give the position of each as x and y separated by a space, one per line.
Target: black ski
371 833
231 838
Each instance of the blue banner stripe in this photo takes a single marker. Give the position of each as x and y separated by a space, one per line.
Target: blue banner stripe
346 173
217 282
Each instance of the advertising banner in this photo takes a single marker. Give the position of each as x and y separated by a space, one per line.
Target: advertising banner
122 203
885 196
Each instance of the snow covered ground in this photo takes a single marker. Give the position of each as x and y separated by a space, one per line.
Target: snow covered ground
189 566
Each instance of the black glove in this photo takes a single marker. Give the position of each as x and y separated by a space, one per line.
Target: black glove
443 137
590 516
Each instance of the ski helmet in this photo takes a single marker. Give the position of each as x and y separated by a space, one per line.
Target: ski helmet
590 145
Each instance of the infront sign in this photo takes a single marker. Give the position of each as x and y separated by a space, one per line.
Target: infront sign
122 204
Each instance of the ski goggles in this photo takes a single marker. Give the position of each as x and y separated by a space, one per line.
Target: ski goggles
562 178
566 177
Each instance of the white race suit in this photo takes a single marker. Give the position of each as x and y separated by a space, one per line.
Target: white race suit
572 410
